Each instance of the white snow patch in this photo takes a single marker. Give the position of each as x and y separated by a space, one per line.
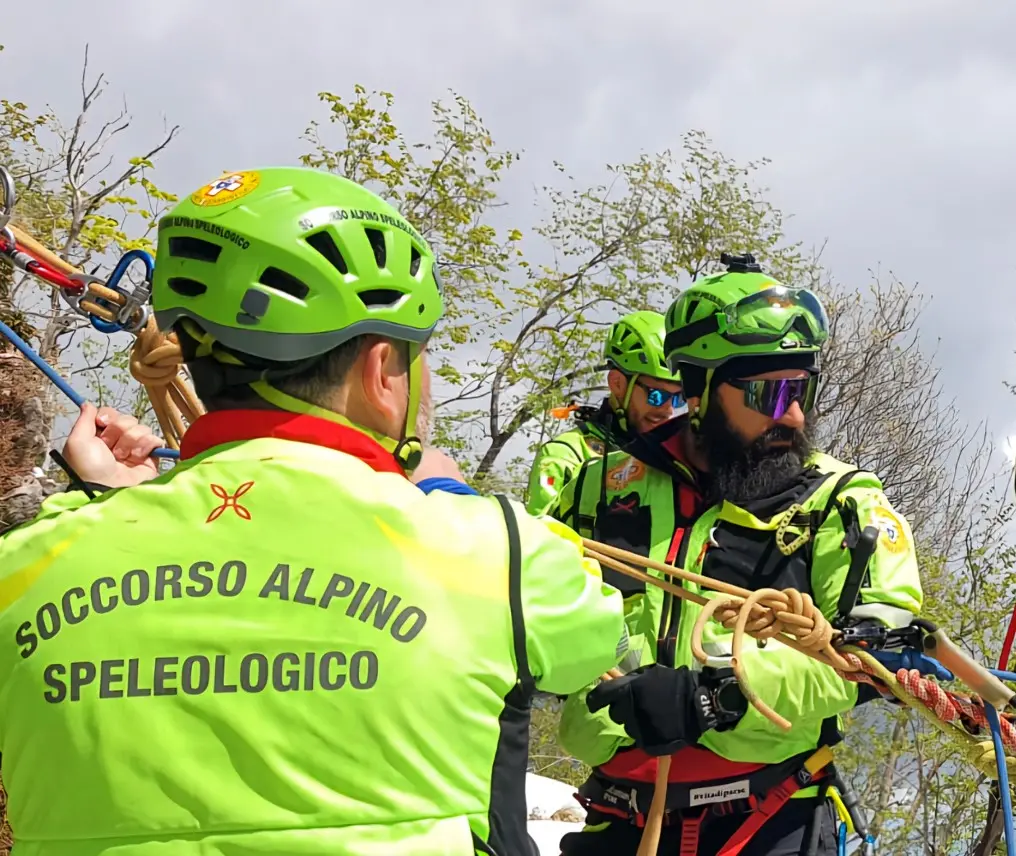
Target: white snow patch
548 833
553 812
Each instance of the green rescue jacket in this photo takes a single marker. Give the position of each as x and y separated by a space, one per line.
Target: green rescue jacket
644 513
557 461
284 647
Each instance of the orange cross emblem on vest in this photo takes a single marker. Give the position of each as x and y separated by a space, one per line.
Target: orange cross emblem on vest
229 501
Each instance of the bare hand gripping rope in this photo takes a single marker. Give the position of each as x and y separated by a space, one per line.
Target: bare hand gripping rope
156 360
787 616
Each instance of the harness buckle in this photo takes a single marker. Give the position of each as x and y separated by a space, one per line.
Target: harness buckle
691 828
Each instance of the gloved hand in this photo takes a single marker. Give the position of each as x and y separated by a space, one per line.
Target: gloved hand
663 709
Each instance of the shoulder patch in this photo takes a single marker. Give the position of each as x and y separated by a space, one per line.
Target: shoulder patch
891 534
595 446
630 470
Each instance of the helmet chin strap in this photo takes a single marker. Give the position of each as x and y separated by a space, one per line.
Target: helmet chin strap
621 411
695 419
408 451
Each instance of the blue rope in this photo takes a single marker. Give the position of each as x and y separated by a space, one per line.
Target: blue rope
841 843
1003 778
59 381
910 658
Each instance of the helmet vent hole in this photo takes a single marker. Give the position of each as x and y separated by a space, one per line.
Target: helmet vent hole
195 249
414 261
279 280
377 243
187 287
325 244
377 298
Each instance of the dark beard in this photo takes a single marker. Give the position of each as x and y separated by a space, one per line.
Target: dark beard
741 472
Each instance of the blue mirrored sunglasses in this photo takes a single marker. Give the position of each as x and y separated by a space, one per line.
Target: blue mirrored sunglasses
659 397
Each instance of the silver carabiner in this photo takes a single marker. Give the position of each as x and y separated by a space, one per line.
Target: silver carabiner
9 197
74 300
131 317
135 310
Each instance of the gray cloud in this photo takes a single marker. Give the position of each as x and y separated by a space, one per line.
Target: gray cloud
890 125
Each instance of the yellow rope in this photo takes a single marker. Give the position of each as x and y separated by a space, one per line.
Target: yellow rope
980 753
793 619
156 361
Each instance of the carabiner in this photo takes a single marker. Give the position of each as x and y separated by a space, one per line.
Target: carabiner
134 314
73 298
7 209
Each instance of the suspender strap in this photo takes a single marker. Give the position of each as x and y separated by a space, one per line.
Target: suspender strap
515 594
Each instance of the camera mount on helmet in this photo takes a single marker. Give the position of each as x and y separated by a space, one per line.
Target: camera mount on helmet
740 264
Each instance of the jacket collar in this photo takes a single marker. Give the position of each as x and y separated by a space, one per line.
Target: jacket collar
231 426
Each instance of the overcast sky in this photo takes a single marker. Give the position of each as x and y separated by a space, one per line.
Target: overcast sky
891 124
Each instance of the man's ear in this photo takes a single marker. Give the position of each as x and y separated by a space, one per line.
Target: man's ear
617 383
380 365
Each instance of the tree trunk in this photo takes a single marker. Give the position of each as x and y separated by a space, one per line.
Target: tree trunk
22 439
22 445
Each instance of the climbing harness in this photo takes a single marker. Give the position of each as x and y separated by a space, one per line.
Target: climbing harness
111 305
896 661
904 662
755 792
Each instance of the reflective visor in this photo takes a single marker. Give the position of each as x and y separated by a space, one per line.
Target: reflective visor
767 316
773 398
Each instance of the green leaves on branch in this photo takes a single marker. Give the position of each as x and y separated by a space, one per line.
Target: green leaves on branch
527 315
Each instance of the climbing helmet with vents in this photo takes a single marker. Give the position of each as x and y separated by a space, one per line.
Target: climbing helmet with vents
635 346
742 312
286 264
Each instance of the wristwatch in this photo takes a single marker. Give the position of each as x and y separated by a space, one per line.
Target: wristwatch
729 703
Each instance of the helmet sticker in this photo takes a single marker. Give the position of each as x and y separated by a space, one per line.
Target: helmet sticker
226 188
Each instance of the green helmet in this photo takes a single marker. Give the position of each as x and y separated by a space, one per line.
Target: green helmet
288 263
742 312
635 346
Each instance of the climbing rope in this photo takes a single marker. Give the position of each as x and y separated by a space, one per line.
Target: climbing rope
787 616
156 361
792 618
949 712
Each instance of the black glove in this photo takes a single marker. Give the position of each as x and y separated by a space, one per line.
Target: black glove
663 709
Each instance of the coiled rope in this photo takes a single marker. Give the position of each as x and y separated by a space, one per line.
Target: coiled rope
792 618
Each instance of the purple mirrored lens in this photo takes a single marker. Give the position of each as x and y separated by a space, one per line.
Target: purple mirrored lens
774 397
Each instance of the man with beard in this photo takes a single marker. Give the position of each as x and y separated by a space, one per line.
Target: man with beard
644 393
735 493
282 645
